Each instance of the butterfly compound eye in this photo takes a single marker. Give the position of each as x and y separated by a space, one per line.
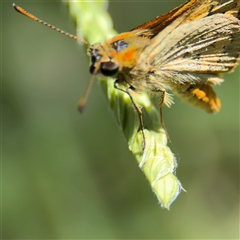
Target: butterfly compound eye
109 68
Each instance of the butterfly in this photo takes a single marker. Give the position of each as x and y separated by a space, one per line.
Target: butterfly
183 52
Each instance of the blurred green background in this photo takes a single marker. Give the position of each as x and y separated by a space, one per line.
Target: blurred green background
67 175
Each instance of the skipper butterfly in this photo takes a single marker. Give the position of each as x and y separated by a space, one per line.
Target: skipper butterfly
183 51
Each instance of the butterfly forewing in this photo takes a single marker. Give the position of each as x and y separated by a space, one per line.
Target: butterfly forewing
201 41
199 46
190 11
157 24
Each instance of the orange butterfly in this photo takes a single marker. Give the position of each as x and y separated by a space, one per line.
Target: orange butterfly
183 51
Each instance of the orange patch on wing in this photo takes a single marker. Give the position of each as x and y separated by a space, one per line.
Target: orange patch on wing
207 97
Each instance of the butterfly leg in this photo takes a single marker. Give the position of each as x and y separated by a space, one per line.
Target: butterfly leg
138 109
160 112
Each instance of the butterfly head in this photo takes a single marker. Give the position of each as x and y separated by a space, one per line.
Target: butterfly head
103 60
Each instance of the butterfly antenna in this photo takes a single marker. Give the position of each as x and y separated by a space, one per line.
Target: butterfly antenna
83 100
29 15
